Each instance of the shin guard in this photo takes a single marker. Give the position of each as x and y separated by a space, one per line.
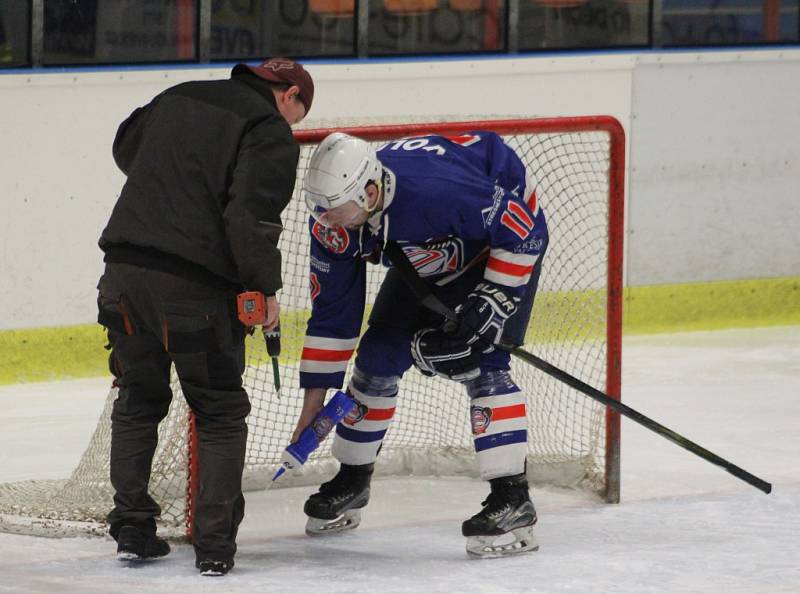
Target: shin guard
360 435
499 424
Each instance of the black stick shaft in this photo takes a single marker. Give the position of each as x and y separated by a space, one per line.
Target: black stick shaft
635 415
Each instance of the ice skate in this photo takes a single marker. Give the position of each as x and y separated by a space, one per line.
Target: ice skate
504 526
337 505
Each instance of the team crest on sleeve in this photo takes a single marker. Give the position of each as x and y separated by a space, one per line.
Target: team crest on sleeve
480 416
433 258
335 239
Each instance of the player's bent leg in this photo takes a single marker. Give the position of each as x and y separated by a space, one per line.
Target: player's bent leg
337 506
499 426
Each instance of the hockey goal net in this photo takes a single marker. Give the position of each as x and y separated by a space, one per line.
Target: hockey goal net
578 165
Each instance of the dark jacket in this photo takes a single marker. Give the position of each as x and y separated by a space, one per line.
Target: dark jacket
210 166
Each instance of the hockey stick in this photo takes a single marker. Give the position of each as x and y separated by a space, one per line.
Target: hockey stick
429 300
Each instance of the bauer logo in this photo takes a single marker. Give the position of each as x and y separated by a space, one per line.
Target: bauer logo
435 258
480 416
336 240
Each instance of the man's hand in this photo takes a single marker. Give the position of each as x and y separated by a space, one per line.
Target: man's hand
313 400
273 313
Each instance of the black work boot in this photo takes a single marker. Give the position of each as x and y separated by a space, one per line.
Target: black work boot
134 544
214 568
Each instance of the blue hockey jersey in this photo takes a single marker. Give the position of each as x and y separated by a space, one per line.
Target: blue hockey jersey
450 203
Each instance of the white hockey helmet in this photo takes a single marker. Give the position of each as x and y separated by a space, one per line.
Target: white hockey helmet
339 171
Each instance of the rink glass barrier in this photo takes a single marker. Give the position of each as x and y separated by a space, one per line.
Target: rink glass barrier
58 33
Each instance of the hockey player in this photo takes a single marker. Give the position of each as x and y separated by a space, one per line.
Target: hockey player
464 212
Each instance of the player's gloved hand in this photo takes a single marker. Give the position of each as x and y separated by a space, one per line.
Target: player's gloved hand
483 315
438 352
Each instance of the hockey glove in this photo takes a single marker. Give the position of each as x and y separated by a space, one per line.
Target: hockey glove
483 315
437 352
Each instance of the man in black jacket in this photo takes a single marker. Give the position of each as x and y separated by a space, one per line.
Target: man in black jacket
210 166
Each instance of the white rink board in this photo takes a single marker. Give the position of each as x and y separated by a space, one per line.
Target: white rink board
711 136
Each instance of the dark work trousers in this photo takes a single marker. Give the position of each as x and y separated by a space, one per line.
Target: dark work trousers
154 319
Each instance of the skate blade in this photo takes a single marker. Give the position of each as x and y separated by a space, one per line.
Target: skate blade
128 556
347 521
490 547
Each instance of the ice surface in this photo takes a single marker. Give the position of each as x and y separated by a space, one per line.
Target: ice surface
684 526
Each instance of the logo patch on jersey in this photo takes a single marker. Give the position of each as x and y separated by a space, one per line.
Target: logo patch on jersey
490 212
314 286
356 414
323 267
480 416
336 240
433 258
529 245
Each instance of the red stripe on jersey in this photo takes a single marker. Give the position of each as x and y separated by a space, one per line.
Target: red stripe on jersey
311 354
514 225
508 268
532 201
502 413
520 213
315 287
379 414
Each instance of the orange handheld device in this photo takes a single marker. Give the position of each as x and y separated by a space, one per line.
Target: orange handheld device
252 308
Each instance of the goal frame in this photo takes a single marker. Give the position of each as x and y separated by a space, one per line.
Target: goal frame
616 222
616 233
78 505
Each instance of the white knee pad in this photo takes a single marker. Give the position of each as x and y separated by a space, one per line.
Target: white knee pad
359 437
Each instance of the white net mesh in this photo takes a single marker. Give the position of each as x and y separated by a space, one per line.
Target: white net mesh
431 432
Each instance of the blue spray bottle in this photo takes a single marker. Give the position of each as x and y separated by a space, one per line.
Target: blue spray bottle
296 454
